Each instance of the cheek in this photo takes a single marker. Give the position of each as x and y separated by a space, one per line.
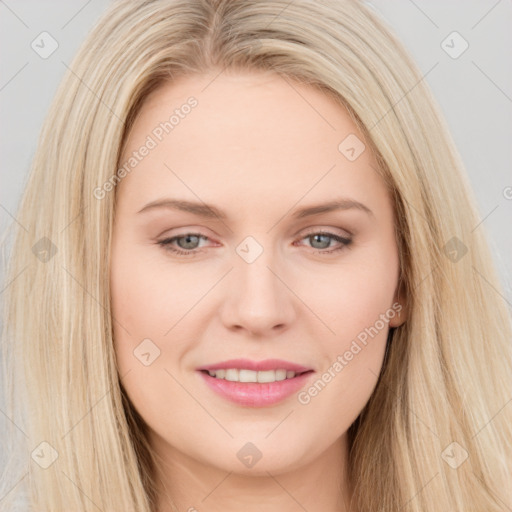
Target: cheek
353 296
358 301
138 307
147 298
351 363
145 306
364 303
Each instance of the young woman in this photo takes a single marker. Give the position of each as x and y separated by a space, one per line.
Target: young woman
247 276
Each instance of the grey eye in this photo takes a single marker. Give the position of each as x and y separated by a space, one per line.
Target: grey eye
191 241
321 244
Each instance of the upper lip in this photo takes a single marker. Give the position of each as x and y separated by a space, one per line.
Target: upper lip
267 364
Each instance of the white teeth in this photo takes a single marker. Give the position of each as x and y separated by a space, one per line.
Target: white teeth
243 375
220 374
231 374
281 374
247 376
267 376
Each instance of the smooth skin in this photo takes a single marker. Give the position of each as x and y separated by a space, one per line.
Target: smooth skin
258 147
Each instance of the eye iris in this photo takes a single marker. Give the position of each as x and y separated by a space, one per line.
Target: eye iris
314 239
190 239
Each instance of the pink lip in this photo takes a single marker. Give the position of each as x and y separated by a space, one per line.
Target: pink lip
254 394
247 364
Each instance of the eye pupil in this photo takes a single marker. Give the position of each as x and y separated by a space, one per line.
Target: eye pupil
315 239
190 239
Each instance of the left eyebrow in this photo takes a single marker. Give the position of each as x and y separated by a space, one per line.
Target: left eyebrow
339 204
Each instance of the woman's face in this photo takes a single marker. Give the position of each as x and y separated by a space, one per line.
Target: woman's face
279 163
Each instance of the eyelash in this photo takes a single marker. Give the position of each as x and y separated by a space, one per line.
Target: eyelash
166 243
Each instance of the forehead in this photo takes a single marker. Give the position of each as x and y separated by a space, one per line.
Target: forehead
256 134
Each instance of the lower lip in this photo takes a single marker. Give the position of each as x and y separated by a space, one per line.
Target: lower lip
254 394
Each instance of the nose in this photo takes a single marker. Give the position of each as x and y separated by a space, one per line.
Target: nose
258 299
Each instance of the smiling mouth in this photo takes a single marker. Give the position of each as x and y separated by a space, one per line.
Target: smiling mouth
251 376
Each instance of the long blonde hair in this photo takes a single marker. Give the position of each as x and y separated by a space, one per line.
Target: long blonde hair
443 377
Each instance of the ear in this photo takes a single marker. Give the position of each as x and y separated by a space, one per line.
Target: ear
400 308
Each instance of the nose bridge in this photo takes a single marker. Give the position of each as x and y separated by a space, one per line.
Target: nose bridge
258 298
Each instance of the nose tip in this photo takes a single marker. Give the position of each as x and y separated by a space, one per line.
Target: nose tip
258 301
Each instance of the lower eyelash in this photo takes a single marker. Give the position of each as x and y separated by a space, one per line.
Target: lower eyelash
166 243
345 242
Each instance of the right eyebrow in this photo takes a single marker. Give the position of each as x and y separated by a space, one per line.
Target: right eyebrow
199 209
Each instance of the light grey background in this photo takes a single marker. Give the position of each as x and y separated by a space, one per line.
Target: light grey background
474 91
